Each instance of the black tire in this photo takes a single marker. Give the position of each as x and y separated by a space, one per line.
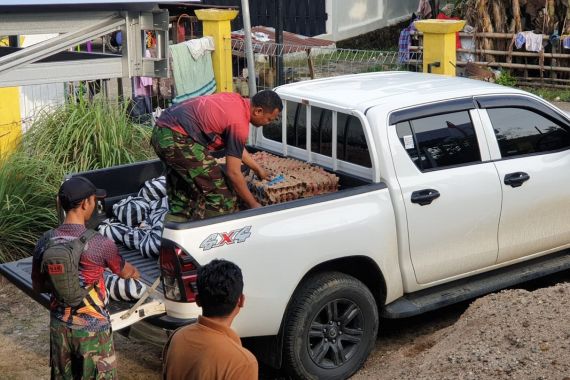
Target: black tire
315 348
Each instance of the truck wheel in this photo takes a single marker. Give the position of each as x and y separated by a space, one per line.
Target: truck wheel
330 327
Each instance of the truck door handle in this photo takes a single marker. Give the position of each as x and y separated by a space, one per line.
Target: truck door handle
424 197
516 179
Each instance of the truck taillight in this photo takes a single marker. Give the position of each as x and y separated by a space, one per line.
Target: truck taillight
179 273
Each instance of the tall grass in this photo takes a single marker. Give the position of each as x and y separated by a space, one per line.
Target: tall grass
75 137
27 197
89 135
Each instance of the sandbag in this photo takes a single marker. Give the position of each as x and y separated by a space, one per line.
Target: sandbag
121 289
113 229
131 210
133 238
156 218
150 244
153 189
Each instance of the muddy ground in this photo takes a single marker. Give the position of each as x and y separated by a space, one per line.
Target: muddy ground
514 334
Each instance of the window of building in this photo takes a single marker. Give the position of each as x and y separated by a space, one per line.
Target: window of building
440 141
520 131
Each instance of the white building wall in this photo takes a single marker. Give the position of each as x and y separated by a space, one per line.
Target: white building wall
348 19
38 98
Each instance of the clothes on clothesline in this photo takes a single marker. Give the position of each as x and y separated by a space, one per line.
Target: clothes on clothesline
566 42
142 86
424 9
531 40
192 77
404 43
199 46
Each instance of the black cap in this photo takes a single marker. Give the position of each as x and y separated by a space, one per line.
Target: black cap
77 189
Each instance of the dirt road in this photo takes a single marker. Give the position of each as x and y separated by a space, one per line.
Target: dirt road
520 333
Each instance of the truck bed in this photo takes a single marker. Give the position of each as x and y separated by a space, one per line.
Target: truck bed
19 273
120 182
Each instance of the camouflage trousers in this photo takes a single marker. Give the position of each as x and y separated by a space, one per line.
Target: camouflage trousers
80 354
195 183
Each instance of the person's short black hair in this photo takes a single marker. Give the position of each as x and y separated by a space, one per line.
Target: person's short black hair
67 206
220 284
268 100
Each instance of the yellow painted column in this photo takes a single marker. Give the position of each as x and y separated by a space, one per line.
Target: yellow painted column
10 120
216 23
439 45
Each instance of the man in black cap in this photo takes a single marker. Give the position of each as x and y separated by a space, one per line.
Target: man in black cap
81 341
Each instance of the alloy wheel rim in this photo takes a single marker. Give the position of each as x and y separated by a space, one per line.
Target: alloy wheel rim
335 333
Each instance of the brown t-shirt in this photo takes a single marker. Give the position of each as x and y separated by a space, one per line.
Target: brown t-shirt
207 350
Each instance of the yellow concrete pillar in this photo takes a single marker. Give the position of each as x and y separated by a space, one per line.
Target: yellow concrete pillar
216 23
439 45
10 120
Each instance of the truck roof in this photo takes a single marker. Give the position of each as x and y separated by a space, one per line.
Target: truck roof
396 89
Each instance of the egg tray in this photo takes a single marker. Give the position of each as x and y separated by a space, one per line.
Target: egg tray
289 179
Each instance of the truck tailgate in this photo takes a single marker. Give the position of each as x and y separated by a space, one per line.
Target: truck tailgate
19 273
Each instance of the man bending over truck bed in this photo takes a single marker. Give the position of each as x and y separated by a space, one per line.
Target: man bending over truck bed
186 133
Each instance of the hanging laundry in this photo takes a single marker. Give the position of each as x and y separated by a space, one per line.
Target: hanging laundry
404 42
566 42
192 77
531 40
199 46
424 9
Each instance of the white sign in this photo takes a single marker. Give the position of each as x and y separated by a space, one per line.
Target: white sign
409 142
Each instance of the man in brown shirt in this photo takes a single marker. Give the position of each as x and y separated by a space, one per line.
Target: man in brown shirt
210 349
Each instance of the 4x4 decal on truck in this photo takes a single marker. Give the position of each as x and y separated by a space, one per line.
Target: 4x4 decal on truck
218 239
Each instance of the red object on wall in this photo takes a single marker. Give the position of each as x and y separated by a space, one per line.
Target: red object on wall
443 16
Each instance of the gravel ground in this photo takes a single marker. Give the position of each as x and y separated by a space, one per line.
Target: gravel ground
513 334
565 106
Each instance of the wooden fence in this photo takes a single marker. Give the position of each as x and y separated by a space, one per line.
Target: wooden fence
545 69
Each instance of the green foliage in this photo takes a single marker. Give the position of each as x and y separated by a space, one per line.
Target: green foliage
75 137
89 135
550 94
28 186
506 79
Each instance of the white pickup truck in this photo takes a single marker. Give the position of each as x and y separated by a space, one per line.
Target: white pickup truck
449 189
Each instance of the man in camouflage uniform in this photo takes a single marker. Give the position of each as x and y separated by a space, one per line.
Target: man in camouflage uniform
81 341
185 135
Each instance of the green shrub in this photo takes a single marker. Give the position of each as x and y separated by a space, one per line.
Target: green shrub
75 137
28 186
89 135
550 94
506 79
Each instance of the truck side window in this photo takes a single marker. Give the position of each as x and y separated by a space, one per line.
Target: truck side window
273 130
296 119
439 141
321 131
520 131
351 142
296 124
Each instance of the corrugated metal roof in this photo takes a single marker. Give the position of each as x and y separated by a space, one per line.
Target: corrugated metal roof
263 38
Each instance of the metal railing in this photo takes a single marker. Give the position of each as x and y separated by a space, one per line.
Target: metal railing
304 62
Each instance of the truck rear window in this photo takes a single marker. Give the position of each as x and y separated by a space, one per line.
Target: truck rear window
351 141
